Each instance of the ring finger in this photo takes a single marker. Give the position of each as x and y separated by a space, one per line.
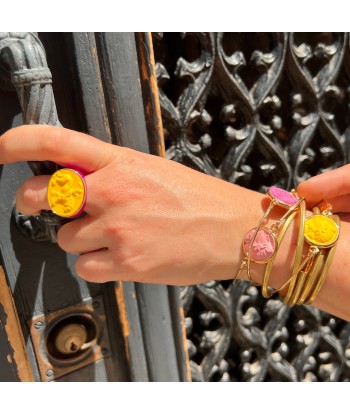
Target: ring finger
31 197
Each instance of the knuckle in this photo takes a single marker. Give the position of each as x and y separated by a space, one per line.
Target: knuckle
27 200
130 157
27 197
126 156
52 141
121 232
56 140
107 195
133 263
120 194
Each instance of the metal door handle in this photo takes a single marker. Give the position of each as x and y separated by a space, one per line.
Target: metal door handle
23 57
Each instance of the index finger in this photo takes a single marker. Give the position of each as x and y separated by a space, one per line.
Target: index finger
57 144
326 185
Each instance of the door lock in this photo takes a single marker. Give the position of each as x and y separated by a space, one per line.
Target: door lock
71 338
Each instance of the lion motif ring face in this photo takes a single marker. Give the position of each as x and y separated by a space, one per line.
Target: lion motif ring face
66 193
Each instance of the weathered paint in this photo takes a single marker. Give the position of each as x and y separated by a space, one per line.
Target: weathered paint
18 358
150 93
123 317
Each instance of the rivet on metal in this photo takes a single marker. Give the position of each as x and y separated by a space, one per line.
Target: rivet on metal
49 373
38 324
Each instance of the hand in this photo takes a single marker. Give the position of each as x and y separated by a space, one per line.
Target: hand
333 186
148 219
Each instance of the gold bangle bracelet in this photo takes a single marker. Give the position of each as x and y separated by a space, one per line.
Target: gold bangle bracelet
260 243
298 257
321 232
267 291
311 278
300 275
303 277
312 296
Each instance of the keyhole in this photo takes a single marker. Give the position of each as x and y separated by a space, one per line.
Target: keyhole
71 337
73 347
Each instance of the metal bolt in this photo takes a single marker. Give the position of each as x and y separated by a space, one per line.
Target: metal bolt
104 351
95 304
49 373
38 324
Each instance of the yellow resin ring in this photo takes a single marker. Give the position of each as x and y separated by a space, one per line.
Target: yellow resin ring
321 231
66 193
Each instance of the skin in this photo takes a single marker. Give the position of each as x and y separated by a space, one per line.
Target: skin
153 220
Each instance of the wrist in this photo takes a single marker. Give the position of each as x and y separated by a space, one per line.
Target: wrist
247 209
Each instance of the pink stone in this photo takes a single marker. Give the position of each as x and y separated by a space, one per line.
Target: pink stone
264 245
286 198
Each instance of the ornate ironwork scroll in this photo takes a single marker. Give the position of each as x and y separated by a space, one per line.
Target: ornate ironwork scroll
23 66
257 110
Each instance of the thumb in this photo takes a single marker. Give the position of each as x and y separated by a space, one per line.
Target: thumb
326 186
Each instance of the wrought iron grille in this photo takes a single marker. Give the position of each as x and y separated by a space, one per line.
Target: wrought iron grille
257 109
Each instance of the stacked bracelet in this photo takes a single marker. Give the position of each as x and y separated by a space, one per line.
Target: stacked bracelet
261 243
316 244
321 233
267 291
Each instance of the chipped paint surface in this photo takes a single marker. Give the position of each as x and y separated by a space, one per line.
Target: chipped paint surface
14 333
152 105
123 317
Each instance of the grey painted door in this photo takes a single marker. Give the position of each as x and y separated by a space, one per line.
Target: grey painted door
115 332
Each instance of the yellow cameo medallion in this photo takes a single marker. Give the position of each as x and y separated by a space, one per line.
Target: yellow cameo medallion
320 230
66 193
